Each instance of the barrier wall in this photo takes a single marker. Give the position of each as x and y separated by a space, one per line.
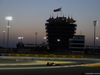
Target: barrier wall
4 54
42 55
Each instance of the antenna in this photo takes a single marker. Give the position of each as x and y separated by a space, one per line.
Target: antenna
80 32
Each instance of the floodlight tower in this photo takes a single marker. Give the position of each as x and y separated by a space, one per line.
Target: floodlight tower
8 18
95 23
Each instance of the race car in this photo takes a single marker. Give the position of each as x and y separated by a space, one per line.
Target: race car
52 64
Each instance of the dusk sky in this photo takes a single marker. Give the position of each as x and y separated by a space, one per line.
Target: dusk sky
29 16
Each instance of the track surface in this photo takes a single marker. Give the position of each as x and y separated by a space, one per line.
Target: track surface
39 67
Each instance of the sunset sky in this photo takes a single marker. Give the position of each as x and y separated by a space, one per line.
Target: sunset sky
29 16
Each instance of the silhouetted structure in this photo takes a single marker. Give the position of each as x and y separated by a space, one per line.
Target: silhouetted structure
77 43
59 30
20 45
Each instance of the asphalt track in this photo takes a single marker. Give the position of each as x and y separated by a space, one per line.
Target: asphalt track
39 67
53 71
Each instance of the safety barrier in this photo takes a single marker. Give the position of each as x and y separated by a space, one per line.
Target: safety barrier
42 55
4 54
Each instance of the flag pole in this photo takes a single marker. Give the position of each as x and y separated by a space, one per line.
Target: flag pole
61 12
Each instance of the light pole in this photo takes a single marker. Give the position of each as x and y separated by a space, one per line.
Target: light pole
45 39
36 38
3 37
95 24
97 41
8 18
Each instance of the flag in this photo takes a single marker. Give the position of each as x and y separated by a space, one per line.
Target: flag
56 10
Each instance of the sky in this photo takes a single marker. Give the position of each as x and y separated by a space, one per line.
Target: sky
29 17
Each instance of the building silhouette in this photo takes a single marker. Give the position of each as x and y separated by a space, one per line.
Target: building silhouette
77 43
58 31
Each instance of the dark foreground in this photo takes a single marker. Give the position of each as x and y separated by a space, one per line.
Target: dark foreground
53 71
